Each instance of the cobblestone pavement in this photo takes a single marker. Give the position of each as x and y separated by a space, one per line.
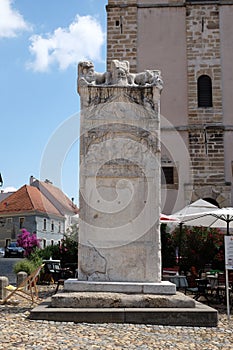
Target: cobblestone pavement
18 332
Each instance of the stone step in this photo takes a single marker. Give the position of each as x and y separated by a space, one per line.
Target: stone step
163 287
199 316
119 300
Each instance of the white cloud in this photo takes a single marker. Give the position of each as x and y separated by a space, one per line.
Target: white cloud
10 188
11 21
65 46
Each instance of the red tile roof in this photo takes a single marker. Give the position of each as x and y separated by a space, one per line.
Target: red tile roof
58 195
27 199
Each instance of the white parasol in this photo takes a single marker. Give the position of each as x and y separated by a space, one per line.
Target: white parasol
217 218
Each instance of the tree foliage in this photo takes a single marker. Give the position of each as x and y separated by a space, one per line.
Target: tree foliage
66 251
196 246
69 246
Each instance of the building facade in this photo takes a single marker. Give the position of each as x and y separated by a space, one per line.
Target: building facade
60 201
40 208
191 42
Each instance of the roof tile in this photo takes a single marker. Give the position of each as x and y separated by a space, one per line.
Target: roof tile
27 199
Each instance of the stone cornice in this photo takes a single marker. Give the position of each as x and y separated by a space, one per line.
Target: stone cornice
198 127
174 4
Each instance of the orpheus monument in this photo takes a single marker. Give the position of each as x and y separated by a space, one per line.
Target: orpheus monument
119 257
119 235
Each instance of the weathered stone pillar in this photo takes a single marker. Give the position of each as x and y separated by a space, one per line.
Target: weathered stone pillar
119 235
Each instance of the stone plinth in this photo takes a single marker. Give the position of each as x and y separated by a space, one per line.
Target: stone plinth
163 287
120 300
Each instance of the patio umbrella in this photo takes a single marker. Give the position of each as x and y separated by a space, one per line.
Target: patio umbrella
221 218
192 211
217 218
195 208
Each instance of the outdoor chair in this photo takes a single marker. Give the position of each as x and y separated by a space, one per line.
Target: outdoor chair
65 273
202 289
192 285
198 287
26 289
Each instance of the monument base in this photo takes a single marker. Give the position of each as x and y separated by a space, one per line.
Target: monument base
173 310
120 300
134 305
160 288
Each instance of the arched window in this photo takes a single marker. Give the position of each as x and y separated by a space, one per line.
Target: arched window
204 91
44 243
45 225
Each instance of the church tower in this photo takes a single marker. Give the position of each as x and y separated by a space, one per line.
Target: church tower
122 32
191 42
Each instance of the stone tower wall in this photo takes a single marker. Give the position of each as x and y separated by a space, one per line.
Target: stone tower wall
206 140
204 127
203 57
122 32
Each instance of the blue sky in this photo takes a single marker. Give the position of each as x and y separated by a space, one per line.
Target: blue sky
41 43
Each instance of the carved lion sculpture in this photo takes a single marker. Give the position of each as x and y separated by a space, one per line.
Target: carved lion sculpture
148 77
119 75
88 75
119 72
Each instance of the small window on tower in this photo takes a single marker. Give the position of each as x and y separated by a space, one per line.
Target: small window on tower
167 175
204 91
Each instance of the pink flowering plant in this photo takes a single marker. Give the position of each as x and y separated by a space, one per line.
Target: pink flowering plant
28 241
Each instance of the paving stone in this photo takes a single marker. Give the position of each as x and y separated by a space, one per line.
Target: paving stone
19 332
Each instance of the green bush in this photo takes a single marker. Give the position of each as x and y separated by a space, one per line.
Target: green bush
66 252
51 251
35 257
24 265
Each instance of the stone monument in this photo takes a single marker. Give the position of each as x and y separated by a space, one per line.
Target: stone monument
119 257
119 235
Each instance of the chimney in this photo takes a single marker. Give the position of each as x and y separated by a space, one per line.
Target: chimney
32 179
